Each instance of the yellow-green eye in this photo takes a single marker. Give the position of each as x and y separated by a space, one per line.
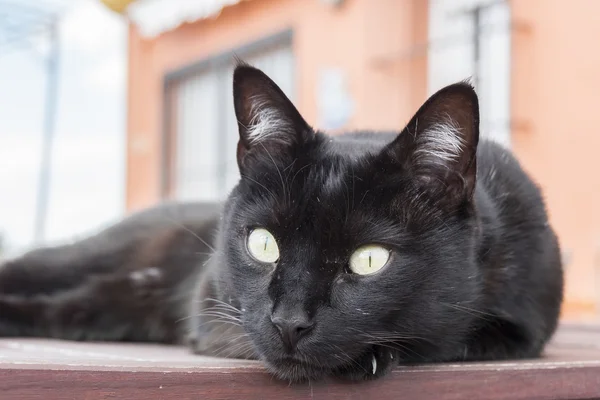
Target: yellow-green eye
369 259
262 246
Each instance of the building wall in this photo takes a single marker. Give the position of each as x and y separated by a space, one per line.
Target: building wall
379 44
364 38
556 135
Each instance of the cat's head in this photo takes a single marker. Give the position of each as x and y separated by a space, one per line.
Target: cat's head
341 248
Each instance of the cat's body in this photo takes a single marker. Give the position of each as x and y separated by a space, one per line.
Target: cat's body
473 270
129 282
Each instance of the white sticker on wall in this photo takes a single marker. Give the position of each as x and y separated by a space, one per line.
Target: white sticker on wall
334 103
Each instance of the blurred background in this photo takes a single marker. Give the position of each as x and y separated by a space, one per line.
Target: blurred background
109 106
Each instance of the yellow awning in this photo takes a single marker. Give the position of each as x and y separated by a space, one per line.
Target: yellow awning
118 6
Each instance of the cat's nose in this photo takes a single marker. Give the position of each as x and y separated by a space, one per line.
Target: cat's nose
292 329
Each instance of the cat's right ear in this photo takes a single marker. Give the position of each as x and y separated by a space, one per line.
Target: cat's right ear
269 124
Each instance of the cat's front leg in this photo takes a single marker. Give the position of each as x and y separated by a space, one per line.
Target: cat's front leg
374 364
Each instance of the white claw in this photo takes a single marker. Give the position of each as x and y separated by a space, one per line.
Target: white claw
374 365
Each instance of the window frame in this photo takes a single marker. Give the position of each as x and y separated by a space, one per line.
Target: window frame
173 78
471 57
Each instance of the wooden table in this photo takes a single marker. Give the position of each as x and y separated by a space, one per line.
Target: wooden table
47 369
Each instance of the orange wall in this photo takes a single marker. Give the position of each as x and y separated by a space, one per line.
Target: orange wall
555 95
358 37
556 110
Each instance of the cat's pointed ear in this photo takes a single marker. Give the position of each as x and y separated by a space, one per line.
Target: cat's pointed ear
268 122
439 144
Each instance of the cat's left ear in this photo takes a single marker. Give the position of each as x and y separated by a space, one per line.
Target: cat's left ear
438 147
269 124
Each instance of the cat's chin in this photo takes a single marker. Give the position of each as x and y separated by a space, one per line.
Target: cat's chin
373 364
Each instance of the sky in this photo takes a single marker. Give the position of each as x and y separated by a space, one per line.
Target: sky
87 175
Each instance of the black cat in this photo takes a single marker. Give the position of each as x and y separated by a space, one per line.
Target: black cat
340 256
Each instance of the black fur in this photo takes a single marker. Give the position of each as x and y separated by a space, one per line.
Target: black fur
474 271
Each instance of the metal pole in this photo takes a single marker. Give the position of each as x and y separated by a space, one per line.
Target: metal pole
47 136
476 44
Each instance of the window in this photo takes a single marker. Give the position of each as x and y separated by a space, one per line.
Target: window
202 132
471 39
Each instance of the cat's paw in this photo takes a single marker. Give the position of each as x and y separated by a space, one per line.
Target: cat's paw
372 365
192 342
198 344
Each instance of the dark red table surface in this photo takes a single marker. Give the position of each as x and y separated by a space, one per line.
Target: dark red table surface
51 369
